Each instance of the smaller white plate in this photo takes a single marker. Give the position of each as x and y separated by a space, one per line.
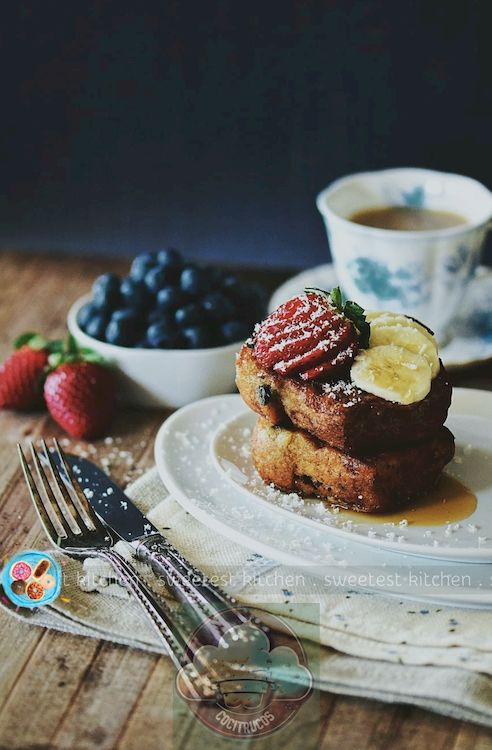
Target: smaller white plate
465 538
473 340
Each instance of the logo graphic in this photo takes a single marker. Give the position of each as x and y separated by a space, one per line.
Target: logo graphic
246 686
31 579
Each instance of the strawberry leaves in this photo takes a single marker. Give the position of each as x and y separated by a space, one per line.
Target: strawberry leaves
69 351
355 313
33 340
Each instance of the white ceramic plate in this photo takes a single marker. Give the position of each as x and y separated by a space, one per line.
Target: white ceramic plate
186 456
473 340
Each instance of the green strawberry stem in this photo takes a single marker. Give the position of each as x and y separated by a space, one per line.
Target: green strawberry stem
70 351
37 342
34 340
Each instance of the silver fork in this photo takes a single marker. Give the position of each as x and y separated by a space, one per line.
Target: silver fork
72 525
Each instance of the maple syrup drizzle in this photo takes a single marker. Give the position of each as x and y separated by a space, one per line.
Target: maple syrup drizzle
449 502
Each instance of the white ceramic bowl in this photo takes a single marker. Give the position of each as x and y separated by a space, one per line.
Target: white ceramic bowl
167 378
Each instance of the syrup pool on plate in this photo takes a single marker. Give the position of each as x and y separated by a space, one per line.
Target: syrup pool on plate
448 502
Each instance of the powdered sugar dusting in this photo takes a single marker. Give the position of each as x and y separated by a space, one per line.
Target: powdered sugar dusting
110 455
308 320
343 390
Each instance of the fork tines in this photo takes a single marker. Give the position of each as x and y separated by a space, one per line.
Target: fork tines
64 510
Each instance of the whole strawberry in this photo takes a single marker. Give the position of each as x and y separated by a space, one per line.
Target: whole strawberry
80 393
21 375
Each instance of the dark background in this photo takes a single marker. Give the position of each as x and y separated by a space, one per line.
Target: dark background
212 125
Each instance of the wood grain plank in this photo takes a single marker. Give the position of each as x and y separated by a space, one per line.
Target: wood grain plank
45 689
154 714
415 729
358 723
104 698
472 737
14 660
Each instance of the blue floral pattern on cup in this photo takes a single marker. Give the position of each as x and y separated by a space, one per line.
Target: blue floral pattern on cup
407 284
462 262
414 198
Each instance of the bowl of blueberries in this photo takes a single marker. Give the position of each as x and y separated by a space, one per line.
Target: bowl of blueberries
171 328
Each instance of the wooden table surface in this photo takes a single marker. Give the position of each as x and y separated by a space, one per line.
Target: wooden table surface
62 691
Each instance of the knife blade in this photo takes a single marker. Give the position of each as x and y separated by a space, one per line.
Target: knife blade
109 500
190 585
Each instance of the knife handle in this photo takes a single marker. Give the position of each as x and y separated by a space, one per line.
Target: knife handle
189 584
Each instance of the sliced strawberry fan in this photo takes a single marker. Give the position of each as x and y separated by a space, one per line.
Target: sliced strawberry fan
313 336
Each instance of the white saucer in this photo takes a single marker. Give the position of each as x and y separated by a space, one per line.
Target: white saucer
186 452
473 340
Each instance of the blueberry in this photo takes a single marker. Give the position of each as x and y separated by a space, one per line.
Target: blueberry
133 321
156 279
156 316
218 306
141 264
108 281
235 330
106 290
169 257
197 337
169 298
161 336
126 314
120 333
122 330
133 293
85 314
188 315
100 307
231 285
96 327
194 281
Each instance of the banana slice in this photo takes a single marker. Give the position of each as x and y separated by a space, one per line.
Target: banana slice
409 338
377 319
393 373
373 314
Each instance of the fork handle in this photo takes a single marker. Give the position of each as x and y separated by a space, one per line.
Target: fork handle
189 584
158 613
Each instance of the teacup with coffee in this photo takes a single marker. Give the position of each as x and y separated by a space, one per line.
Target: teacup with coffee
406 239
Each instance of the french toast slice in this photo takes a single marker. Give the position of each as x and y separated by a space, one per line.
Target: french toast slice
339 413
294 461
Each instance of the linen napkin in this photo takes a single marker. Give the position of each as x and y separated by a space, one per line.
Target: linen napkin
436 657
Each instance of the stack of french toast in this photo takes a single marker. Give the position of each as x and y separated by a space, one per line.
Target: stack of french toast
351 404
